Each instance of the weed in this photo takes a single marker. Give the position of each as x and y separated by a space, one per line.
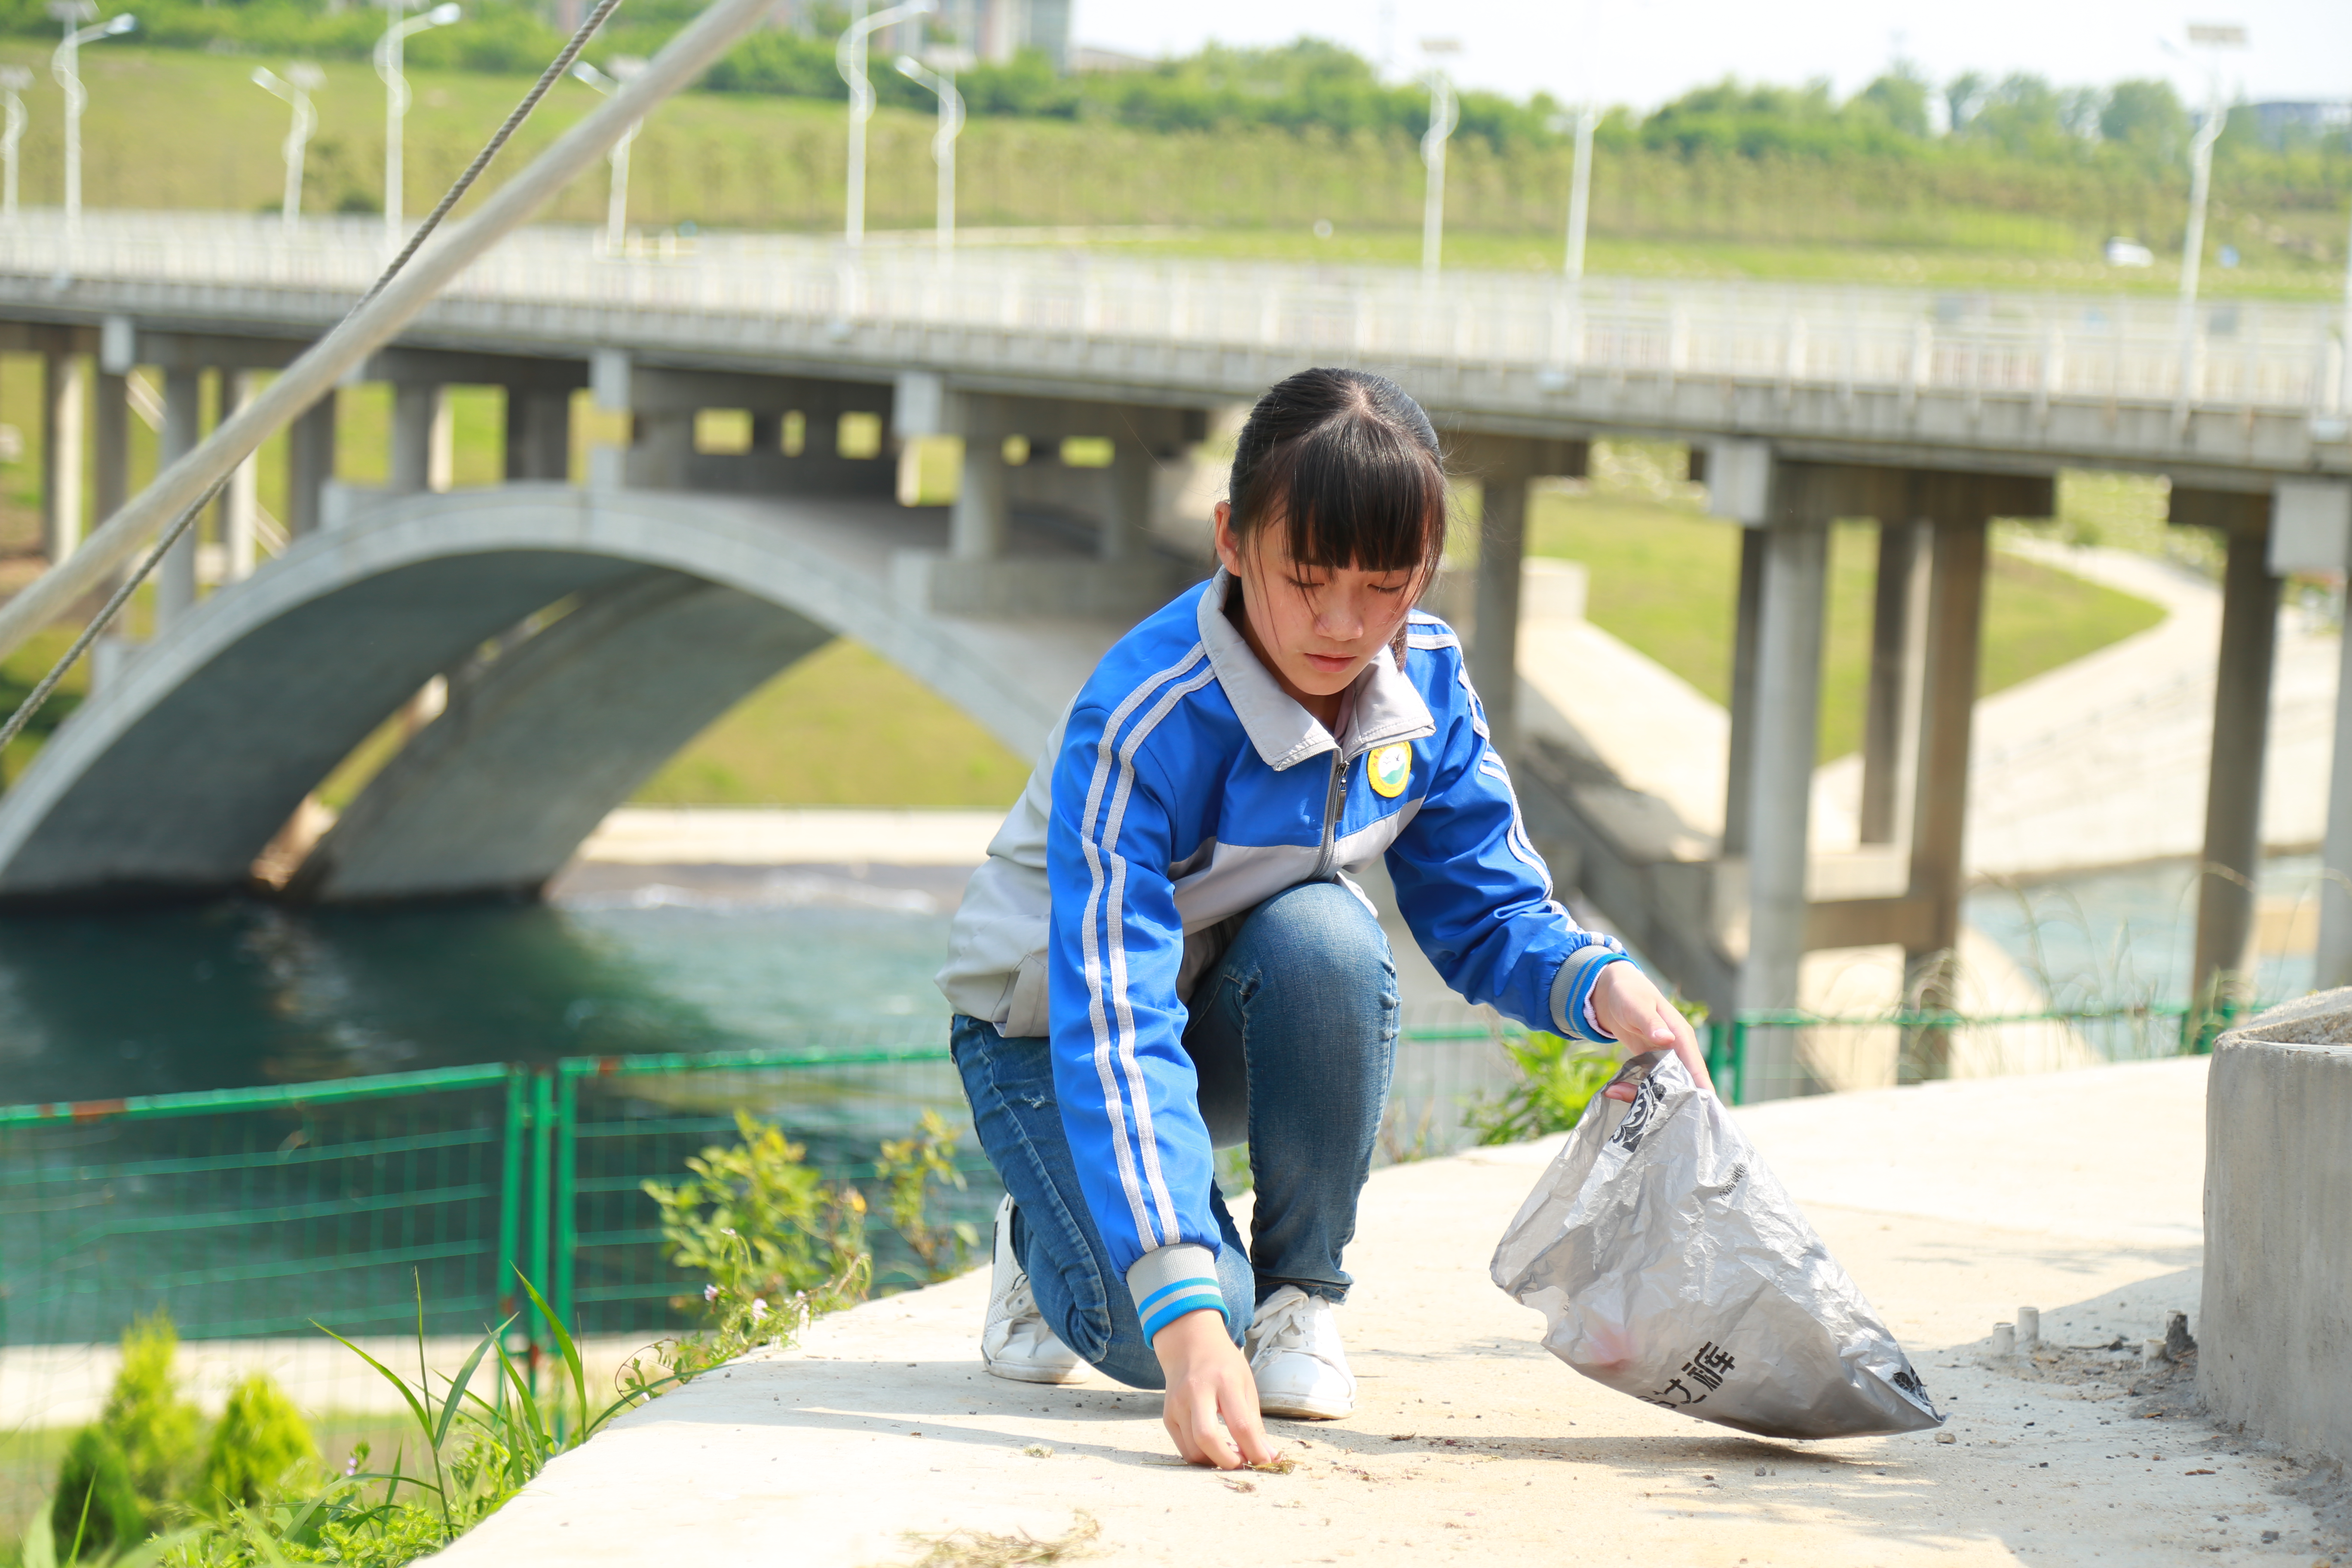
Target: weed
907 1170
1556 1080
978 1548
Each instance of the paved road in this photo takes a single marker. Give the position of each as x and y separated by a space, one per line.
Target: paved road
1950 1205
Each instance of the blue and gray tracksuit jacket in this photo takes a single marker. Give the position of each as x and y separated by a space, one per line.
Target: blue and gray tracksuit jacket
1183 789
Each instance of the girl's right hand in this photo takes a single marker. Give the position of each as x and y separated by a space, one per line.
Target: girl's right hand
1207 1378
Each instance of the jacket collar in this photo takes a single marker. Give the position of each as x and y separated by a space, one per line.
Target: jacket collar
1383 705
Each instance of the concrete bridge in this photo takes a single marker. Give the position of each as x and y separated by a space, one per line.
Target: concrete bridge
586 630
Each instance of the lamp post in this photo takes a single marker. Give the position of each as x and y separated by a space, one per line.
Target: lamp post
1580 189
941 83
391 65
300 80
1442 117
66 67
616 202
849 58
2208 36
14 80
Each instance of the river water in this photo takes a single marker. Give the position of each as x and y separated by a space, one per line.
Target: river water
97 1005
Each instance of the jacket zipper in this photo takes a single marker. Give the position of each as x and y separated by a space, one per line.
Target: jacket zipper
1331 797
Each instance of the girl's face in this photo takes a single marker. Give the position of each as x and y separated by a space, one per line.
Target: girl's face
1314 628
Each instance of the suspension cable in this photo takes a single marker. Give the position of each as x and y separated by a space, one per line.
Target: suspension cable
168 537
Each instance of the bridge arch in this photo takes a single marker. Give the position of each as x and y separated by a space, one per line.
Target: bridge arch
174 777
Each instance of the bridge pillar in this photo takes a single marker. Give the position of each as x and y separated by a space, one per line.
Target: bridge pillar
661 446
416 409
64 385
1738 475
1788 684
1898 627
241 501
1804 499
111 445
309 465
2221 974
539 434
175 578
1739 760
1927 919
981 520
1505 467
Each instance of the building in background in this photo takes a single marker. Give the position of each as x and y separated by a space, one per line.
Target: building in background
2280 122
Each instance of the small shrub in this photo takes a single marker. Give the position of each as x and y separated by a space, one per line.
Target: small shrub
153 1426
261 1437
909 1169
1557 1082
759 1222
98 1509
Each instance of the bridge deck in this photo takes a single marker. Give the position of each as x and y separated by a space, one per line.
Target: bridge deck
1970 378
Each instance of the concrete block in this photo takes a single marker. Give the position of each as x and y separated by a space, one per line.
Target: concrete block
2311 526
2275 1328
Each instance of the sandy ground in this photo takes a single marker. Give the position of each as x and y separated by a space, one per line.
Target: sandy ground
2078 1192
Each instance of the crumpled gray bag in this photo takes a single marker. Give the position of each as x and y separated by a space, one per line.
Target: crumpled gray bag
1670 1265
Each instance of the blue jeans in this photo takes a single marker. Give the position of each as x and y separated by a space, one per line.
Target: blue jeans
1293 1034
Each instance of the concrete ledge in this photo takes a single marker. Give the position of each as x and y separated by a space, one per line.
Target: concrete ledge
2275 1344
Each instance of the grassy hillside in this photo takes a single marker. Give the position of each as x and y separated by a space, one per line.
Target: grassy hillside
1663 575
178 127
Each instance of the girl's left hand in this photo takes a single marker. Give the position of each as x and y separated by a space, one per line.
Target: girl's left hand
1628 1006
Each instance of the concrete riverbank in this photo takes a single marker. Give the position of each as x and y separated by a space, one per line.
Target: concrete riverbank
1950 1205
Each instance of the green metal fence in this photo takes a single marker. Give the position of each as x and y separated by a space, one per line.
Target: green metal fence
249 1213
1769 1055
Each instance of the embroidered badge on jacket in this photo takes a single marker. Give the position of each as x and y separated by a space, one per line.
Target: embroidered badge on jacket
1390 770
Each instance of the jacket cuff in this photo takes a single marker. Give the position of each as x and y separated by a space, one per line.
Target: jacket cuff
1571 991
1170 1281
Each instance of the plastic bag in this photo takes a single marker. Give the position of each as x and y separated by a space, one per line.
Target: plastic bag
1670 1265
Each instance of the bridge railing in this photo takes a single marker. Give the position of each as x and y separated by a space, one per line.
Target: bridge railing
2249 355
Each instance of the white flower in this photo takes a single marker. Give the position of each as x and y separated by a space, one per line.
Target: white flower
710 1292
759 1308
726 1230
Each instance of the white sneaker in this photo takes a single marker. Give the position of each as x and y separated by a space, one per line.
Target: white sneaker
1015 1341
1293 1345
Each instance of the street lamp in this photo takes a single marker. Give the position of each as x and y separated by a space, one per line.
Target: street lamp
66 67
941 83
390 64
1442 117
14 80
616 202
849 58
300 80
1579 188
2208 36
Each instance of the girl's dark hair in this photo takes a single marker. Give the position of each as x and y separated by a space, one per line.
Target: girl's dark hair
1347 461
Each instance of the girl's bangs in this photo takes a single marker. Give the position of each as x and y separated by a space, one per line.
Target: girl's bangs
1355 494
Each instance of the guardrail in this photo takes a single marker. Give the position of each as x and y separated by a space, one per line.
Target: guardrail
2242 354
1905 1047
250 1212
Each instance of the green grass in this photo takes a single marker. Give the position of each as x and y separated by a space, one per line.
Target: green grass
1663 577
842 728
186 128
